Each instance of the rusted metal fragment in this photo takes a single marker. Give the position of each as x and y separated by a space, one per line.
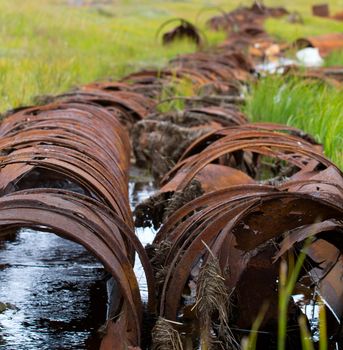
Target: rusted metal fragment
244 226
332 76
246 33
202 142
328 275
225 64
201 78
208 200
148 90
303 232
335 73
240 232
327 267
241 147
255 14
167 200
321 10
185 30
326 184
338 16
220 72
65 170
116 336
326 43
89 223
128 106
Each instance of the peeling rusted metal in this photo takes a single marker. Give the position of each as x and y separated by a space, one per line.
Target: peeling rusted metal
157 208
185 30
242 197
249 227
242 226
84 148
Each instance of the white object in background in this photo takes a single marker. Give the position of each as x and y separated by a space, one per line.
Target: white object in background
310 57
276 66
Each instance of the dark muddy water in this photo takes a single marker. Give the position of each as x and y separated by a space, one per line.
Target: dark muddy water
55 290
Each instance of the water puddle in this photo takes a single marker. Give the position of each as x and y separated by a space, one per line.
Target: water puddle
139 190
52 291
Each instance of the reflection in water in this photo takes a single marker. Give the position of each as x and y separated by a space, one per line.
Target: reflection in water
55 289
138 192
56 293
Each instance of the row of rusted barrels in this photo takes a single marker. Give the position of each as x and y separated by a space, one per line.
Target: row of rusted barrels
235 200
65 169
239 204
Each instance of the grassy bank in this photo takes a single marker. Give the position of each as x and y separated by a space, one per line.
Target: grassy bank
286 31
314 107
49 46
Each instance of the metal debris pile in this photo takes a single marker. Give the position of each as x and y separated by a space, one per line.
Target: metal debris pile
235 199
65 170
249 225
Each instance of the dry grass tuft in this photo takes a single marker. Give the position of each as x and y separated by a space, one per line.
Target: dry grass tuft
213 307
157 254
165 336
192 191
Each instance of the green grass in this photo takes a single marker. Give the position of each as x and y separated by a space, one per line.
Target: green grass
173 94
312 106
287 281
49 46
334 59
288 276
283 30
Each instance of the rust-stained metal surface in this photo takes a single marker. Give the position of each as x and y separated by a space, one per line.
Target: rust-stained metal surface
212 177
185 30
331 75
249 228
338 16
235 200
321 10
85 148
254 15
